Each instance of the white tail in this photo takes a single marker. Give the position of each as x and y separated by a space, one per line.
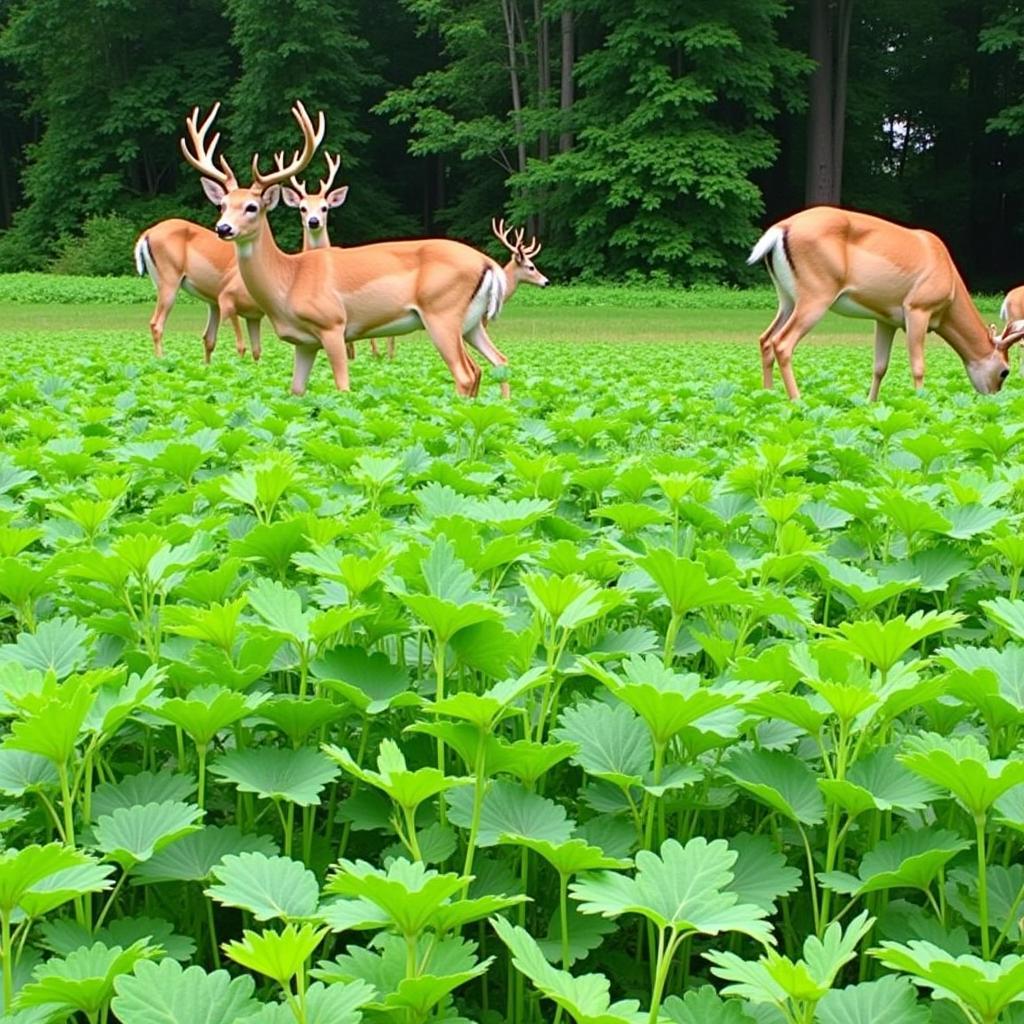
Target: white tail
143 259
863 266
772 237
322 298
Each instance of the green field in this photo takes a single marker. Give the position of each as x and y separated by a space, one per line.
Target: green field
646 697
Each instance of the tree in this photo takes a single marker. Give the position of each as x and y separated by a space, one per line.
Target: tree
826 123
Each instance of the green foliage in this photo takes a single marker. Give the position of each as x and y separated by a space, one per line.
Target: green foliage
670 749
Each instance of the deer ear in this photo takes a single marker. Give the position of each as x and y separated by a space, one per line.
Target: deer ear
1012 333
337 197
291 197
214 190
271 197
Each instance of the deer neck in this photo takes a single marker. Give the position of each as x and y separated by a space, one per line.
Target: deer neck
266 270
315 239
511 281
963 328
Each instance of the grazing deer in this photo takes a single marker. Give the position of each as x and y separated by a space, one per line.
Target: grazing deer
861 266
314 208
179 254
321 298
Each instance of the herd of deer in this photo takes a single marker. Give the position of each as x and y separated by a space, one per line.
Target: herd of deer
326 297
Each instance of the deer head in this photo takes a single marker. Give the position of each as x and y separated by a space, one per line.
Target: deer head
314 206
243 210
522 255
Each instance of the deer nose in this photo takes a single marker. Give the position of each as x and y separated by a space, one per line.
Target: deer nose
224 230
314 222
1003 374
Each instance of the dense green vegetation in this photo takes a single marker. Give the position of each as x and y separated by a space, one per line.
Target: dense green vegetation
304 697
635 138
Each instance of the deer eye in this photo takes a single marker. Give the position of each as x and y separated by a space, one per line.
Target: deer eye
251 208
302 209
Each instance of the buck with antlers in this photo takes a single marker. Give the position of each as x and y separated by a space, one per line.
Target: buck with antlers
179 254
322 297
314 207
862 266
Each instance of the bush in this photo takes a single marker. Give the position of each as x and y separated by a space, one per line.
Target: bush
103 249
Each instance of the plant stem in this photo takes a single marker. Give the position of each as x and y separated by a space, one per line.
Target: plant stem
478 805
979 826
563 910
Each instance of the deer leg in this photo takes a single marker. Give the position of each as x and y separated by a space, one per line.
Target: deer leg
165 296
916 328
884 334
800 321
391 351
374 349
767 351
480 340
350 349
446 334
337 352
253 327
302 366
210 333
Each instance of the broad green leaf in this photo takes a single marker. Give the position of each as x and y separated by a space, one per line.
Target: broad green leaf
57 645
984 986
962 765
297 776
613 742
888 999
883 644
267 887
63 886
781 780
508 809
570 857
83 981
685 889
367 680
586 997
912 858
705 1006
142 788
667 701
760 874
21 870
774 978
407 788
207 711
278 955
130 835
193 857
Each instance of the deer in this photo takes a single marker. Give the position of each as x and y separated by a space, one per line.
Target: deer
314 207
321 298
179 254
862 266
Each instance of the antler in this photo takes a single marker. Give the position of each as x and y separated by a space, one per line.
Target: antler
501 233
333 163
202 158
311 138
516 246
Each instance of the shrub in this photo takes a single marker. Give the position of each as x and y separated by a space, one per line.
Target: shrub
103 249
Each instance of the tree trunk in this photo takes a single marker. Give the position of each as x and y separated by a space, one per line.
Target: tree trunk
826 121
543 72
509 13
567 92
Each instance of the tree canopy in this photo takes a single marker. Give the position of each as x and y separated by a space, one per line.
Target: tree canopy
634 137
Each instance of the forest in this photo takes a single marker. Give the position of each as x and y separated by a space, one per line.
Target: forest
638 139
